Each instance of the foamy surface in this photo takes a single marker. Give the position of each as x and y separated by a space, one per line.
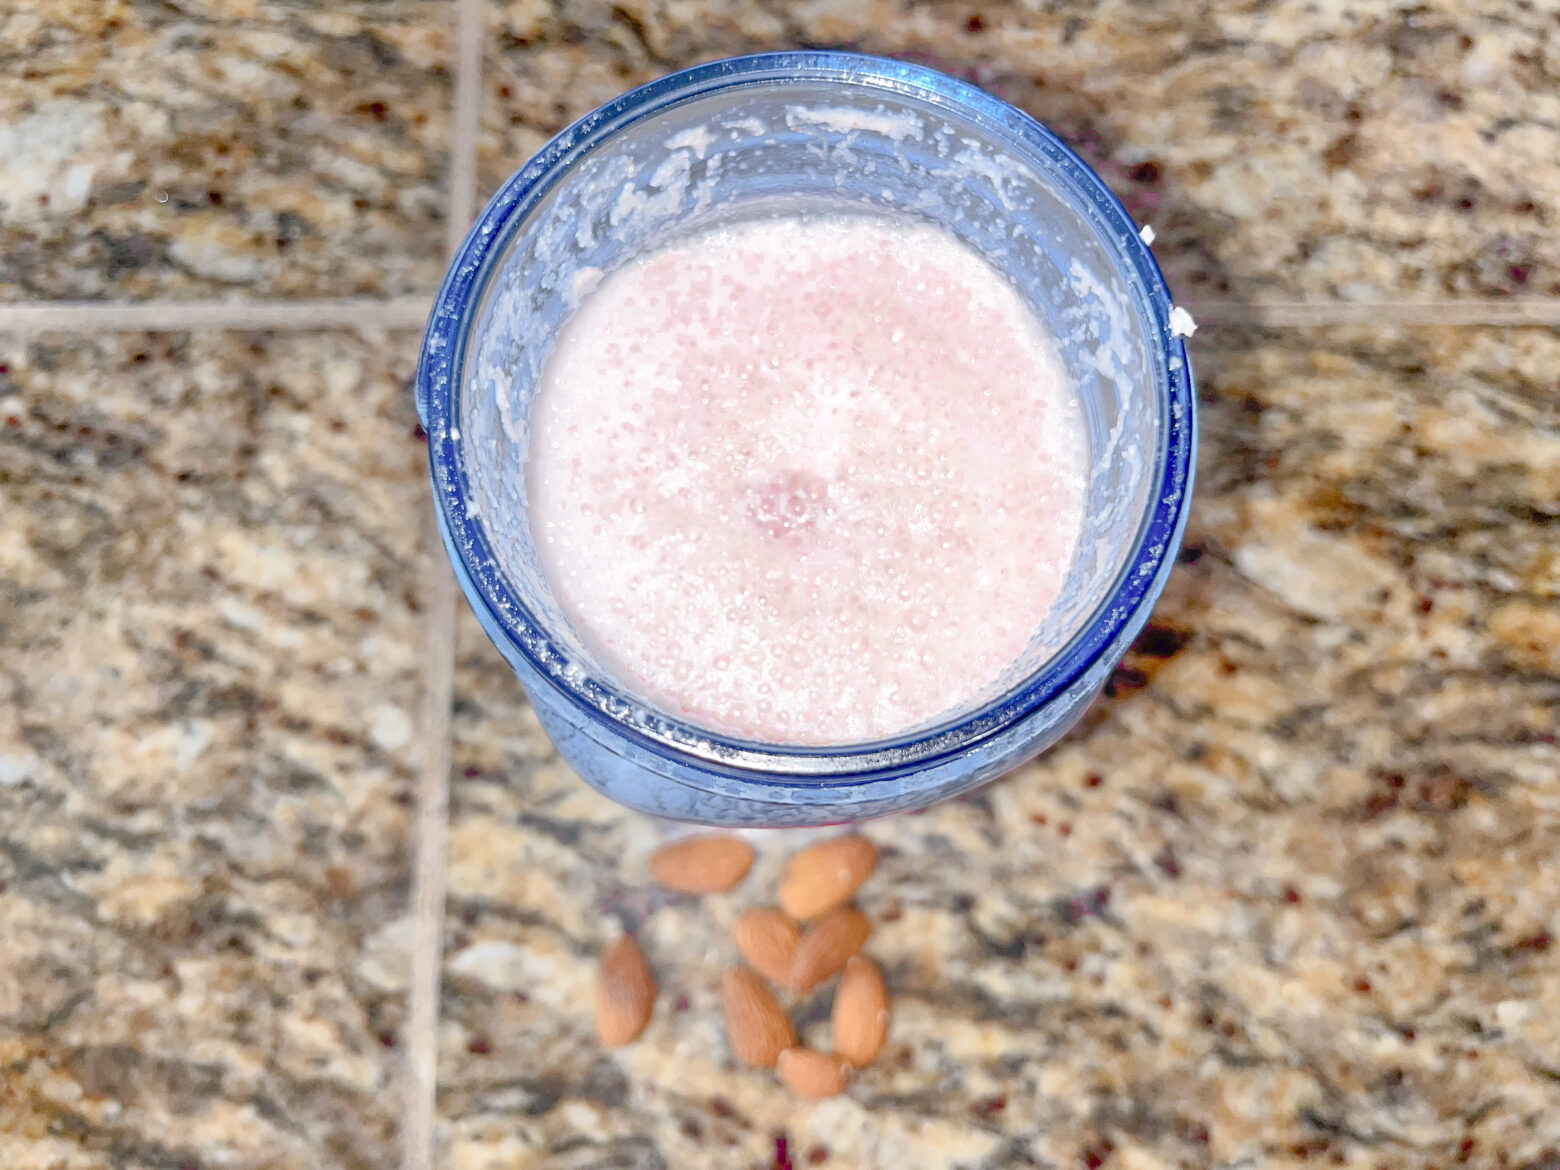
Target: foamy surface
810 482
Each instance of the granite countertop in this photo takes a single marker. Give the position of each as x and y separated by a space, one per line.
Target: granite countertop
1287 896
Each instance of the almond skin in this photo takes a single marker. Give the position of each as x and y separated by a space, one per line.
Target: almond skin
826 946
625 993
860 1019
758 1028
813 1074
768 940
825 875
708 864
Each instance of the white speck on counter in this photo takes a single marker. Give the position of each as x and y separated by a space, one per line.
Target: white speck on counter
245 617
15 769
390 729
1181 323
1512 1013
78 183
384 960
546 971
41 152
1147 234
343 375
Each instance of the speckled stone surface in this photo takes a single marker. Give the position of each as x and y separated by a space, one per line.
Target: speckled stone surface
1287 897
1281 150
209 680
241 147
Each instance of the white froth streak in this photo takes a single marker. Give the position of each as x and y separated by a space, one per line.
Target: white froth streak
845 120
1181 323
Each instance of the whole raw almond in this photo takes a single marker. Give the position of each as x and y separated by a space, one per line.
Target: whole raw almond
625 993
860 1018
826 946
757 1026
825 875
708 864
767 939
813 1074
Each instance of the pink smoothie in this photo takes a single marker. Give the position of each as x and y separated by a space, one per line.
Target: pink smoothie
809 482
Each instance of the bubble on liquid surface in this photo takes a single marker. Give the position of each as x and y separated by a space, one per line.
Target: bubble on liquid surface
787 503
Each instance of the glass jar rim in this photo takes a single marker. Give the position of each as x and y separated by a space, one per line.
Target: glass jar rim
1123 608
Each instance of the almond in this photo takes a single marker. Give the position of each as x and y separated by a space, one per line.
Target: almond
625 993
826 946
767 939
758 1028
825 875
709 864
813 1074
860 1019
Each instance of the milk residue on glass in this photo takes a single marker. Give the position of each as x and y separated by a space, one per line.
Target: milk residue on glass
807 479
710 174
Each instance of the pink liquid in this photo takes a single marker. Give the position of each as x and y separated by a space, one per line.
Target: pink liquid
812 482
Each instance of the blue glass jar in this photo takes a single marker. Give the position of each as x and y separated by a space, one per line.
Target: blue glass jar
827 132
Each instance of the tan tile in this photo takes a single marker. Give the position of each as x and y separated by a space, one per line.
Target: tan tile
1286 894
209 687
249 147
1281 151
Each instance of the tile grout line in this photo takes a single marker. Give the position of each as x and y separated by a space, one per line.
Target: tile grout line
411 312
420 1113
181 316
467 123
1299 314
431 833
